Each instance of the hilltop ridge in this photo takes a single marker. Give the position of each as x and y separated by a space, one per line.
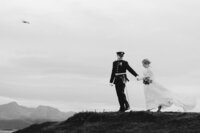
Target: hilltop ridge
112 122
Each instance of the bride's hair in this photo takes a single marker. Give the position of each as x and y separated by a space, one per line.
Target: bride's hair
146 61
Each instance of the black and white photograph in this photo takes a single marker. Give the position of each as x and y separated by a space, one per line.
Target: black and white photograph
99 66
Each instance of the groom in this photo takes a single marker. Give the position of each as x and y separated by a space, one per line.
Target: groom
119 78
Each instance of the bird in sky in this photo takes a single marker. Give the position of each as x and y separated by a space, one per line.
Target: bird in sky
25 22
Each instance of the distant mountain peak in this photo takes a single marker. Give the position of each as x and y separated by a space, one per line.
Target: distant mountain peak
15 116
13 103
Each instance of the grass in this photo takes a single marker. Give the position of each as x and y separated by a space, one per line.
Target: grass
130 122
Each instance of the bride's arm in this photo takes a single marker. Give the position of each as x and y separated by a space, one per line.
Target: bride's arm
150 74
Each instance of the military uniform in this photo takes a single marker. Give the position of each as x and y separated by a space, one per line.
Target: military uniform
119 78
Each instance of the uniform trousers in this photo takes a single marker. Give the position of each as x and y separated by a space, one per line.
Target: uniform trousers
120 86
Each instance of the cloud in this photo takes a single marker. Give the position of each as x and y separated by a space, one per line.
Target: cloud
66 52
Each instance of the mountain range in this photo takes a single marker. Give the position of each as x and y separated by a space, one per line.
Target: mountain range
15 116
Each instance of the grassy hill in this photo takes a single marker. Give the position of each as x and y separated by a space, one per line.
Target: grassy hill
130 122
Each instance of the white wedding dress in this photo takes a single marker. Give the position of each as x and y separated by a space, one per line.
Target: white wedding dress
157 95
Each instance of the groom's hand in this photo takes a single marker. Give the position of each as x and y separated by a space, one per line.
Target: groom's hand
111 84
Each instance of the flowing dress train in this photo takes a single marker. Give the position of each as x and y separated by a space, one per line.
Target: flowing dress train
156 95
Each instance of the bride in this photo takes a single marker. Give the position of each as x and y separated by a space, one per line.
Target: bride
157 96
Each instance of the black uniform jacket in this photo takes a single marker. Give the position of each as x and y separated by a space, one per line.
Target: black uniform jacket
120 66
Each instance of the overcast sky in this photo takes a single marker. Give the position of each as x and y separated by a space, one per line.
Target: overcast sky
63 58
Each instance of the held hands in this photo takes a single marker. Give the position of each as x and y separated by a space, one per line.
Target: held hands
138 78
